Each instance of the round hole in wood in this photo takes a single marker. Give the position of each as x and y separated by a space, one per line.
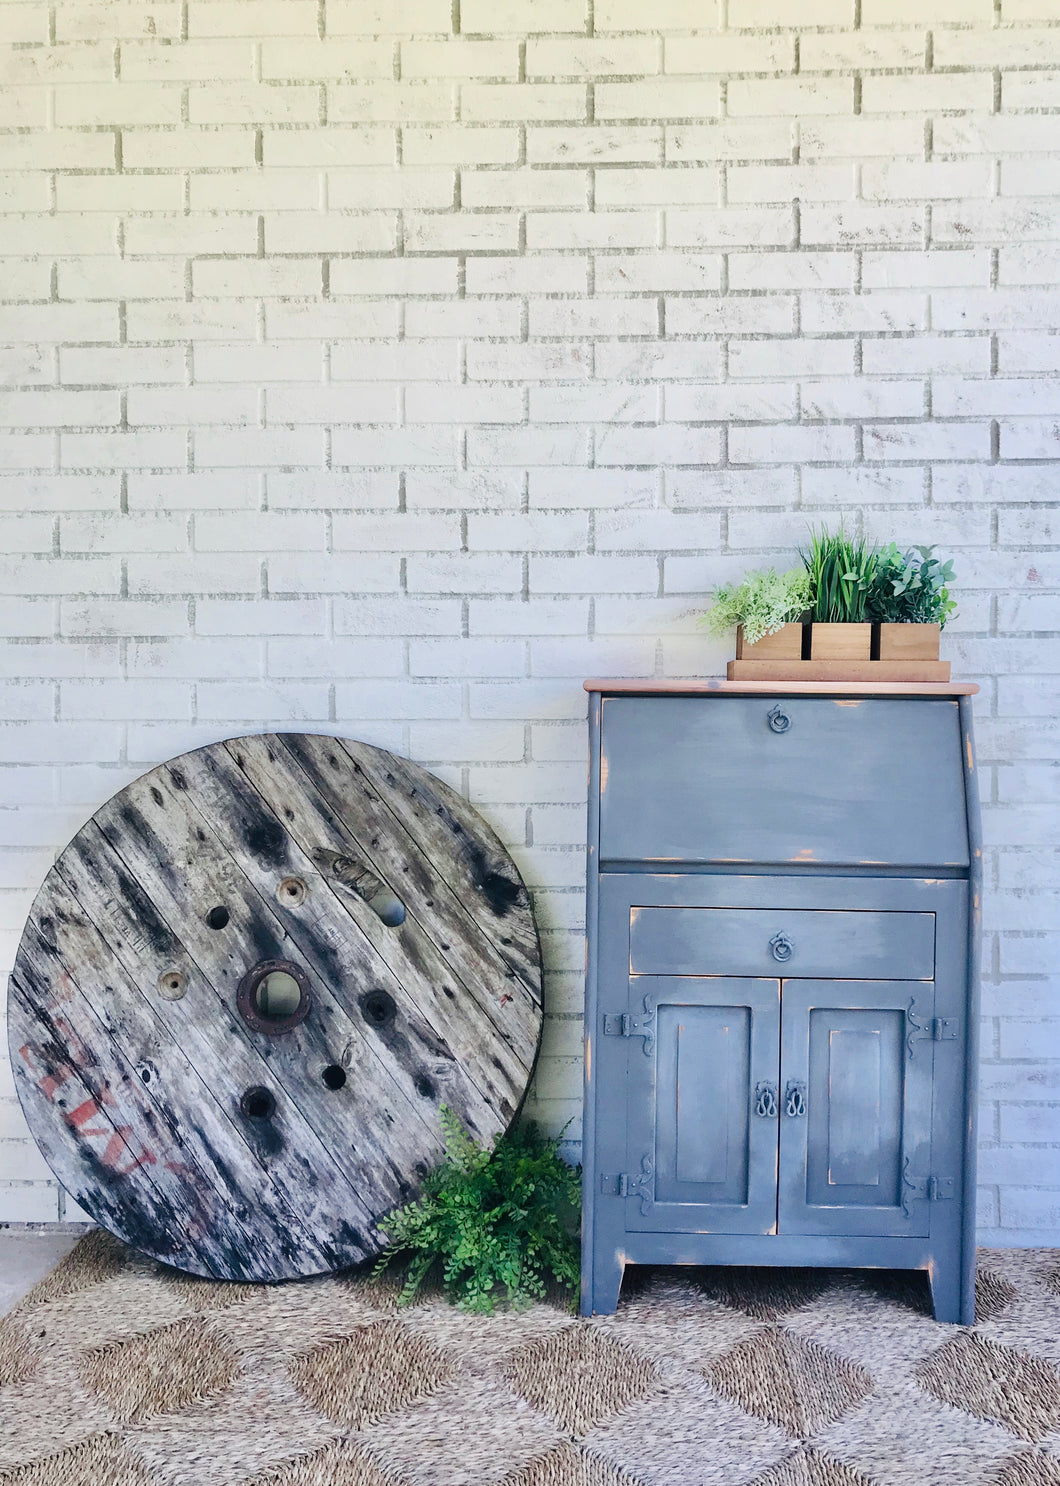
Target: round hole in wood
172 985
259 1103
378 1008
291 891
218 917
274 997
334 1076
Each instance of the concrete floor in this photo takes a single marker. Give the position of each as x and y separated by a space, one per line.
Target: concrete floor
26 1255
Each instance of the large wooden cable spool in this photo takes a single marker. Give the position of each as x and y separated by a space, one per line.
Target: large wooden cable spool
247 986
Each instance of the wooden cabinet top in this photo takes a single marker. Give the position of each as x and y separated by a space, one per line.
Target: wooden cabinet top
710 685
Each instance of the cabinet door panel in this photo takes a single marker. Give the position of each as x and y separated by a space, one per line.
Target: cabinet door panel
867 1102
704 1160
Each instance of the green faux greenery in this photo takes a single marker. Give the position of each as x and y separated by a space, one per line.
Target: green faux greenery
763 603
842 573
500 1223
911 587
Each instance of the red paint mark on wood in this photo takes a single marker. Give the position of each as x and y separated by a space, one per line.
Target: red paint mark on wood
117 1144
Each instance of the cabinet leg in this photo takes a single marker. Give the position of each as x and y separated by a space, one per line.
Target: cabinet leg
945 1279
602 1300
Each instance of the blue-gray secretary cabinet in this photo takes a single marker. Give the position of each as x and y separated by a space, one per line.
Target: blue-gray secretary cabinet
781 998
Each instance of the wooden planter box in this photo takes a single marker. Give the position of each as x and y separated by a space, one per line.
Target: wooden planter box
907 642
843 652
786 644
840 641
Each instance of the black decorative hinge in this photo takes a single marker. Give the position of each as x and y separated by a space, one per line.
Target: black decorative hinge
939 1029
628 1185
624 1024
931 1188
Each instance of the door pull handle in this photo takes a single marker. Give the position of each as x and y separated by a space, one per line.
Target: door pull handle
766 1101
795 1100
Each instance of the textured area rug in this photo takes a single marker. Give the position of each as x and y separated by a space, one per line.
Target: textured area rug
116 1372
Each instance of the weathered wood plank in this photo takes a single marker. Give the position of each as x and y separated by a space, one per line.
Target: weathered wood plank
428 1038
180 874
225 1149
205 1026
413 949
464 852
117 1148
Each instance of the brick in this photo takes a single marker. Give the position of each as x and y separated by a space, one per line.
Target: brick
457 58
192 61
339 60
383 102
731 226
658 360
89 63
257 190
863 50
251 18
331 148
332 232
373 17
523 16
113 20
536 532
121 104
515 102
460 145
595 57
760 315
668 444
659 98
467 658
552 146
752 183
526 275
104 701
57 151
788 443
898 180
513 188
589 317
464 573
689 185
995 48
927 93
461 233
194 659
386 615
253 103
670 15
298 573
794 95
880 270
594 404
739 139
762 402
611 229
259 617
1030 89
603 488
967 355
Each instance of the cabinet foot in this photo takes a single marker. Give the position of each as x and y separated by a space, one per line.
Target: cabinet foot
602 1296
946 1295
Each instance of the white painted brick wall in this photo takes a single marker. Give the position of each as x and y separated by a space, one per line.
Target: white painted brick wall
386 366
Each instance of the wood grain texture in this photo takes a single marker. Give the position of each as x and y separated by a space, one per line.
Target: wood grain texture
267 1153
839 670
714 685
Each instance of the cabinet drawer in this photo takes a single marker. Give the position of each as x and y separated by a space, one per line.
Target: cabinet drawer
822 944
789 779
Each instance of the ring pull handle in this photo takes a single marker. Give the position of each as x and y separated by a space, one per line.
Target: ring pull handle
779 721
795 1100
781 947
766 1104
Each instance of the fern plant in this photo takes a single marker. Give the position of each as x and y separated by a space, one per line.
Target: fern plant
763 603
499 1222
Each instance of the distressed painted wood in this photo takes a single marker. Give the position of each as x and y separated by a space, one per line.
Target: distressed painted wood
782 779
830 1121
255 1128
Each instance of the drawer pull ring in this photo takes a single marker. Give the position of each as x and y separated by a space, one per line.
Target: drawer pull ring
795 1100
779 721
782 947
766 1101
